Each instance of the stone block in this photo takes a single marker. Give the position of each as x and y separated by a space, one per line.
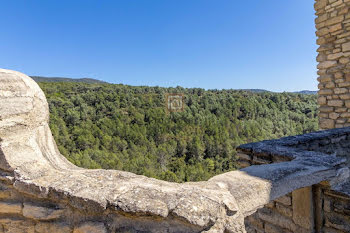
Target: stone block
345 115
285 200
344 84
254 221
337 126
286 211
334 115
346 47
345 96
326 64
335 27
258 161
334 20
340 121
336 103
327 205
270 205
303 208
4 192
244 156
335 56
320 4
243 163
326 109
45 227
325 78
279 220
10 208
269 228
338 75
250 229
322 100
326 123
344 60
331 230
325 92
340 109
40 212
337 221
340 90
18 226
330 85
89 227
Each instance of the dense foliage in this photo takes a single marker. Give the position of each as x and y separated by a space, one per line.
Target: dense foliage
128 128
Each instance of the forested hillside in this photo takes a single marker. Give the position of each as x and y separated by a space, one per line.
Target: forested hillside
128 128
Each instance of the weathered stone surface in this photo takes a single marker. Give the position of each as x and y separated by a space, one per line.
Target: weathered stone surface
303 208
17 226
10 208
326 64
334 115
340 90
322 100
326 109
285 200
346 47
269 228
40 213
286 211
89 227
49 227
335 103
326 123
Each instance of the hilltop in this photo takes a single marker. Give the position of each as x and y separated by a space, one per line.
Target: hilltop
96 81
61 79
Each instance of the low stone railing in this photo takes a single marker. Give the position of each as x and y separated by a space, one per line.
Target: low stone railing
40 191
307 209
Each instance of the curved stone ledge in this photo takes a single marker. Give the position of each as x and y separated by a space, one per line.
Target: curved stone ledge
32 166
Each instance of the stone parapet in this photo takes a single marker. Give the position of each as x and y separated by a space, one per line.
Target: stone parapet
317 208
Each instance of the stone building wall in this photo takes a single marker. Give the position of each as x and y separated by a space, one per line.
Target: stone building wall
334 209
333 32
316 208
292 213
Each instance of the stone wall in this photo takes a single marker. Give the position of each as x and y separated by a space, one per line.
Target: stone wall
317 208
333 31
23 213
290 213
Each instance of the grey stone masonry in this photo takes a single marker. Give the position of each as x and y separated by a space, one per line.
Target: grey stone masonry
333 24
324 207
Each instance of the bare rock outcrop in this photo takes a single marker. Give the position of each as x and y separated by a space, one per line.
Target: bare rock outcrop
110 200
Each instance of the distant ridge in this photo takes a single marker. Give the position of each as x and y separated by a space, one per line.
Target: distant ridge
254 90
306 92
96 81
59 79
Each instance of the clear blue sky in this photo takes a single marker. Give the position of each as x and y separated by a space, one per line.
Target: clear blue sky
267 44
